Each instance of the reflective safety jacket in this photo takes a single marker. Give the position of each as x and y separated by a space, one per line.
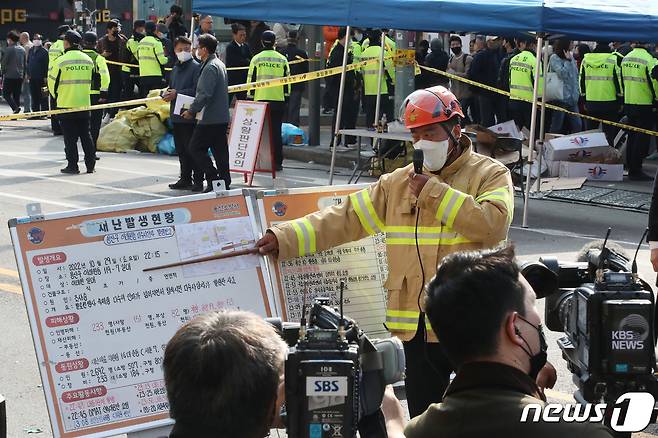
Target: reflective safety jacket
151 56
600 78
56 50
100 78
636 69
468 206
522 76
269 64
69 79
132 46
370 72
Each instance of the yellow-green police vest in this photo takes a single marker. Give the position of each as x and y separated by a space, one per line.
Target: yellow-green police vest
599 72
151 56
55 51
521 76
69 80
370 72
100 78
269 64
636 74
131 46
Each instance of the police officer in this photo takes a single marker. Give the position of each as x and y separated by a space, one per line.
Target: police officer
521 82
639 97
370 74
130 75
600 84
100 82
270 64
69 83
152 60
55 51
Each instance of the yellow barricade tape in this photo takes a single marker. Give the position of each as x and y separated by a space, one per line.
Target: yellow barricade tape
304 77
548 105
297 61
80 109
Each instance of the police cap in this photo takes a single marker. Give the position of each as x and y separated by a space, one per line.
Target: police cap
150 27
268 38
89 39
73 37
63 29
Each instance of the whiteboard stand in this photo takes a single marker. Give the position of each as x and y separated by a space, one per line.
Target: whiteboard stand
34 211
159 432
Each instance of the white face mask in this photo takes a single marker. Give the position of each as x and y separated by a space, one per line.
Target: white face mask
197 54
435 153
37 43
184 56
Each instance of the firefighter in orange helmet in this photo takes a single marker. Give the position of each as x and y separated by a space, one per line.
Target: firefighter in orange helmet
461 201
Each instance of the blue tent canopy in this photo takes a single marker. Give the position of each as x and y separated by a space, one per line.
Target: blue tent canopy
615 20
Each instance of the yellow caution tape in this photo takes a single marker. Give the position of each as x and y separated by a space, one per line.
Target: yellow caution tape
297 61
304 77
79 109
539 103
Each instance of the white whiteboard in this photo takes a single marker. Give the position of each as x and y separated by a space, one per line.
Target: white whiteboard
100 324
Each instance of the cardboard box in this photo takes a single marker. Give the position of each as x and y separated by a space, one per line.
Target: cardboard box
592 171
576 147
553 167
507 129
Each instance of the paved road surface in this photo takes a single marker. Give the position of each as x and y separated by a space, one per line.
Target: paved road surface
30 160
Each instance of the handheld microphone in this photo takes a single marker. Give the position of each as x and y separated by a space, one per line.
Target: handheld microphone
418 159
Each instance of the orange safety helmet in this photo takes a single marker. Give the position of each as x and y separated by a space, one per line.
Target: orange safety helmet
430 105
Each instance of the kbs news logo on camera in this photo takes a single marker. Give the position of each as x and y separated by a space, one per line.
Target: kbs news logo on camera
630 413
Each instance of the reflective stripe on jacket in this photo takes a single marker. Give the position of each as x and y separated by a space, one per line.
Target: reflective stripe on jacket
600 79
100 79
522 76
151 56
370 72
636 70
269 64
69 79
56 50
468 206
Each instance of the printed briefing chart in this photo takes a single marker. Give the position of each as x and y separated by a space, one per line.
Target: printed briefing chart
101 323
362 265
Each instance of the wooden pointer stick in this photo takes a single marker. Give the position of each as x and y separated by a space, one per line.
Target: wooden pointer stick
205 259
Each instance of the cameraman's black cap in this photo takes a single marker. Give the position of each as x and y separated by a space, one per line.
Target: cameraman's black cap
72 37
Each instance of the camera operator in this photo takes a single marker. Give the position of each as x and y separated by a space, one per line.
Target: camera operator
223 371
224 377
484 312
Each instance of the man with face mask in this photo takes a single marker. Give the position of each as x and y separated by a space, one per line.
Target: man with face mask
184 77
461 200
484 312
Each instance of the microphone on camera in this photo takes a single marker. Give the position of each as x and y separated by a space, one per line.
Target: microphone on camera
418 159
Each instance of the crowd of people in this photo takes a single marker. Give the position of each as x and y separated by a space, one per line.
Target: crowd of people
127 67
606 81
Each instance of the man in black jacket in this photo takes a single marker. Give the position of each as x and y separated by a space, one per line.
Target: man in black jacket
37 71
184 77
437 59
484 69
333 89
238 56
294 54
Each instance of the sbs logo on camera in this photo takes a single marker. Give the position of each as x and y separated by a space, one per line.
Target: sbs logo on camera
630 413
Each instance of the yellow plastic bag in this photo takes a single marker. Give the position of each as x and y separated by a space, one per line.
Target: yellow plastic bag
160 107
149 130
117 136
